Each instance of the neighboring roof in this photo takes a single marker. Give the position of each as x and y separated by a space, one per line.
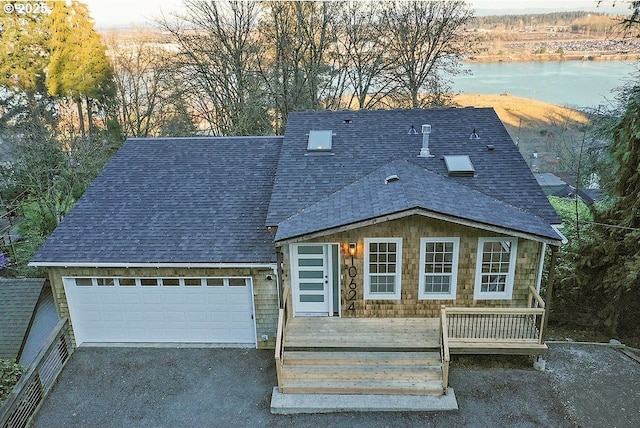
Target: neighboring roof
590 196
18 299
44 320
173 200
365 140
412 187
548 179
553 185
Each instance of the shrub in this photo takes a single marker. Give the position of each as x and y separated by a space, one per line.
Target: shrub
10 373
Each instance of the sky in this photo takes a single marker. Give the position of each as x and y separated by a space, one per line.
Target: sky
119 13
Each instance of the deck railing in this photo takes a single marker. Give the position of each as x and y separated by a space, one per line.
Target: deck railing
444 349
279 352
35 383
522 325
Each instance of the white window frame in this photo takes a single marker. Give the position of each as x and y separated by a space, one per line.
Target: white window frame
368 295
453 282
507 294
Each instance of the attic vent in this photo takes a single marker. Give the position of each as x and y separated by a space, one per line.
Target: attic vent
459 166
347 121
391 179
320 141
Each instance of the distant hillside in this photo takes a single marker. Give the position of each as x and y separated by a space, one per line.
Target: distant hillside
540 127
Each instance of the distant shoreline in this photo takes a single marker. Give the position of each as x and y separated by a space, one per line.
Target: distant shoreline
550 57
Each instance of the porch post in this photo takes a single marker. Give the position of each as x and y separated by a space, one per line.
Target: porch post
548 297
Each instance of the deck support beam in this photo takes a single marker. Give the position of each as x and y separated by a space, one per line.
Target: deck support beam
548 297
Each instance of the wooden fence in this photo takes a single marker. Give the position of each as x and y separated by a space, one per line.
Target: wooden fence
36 382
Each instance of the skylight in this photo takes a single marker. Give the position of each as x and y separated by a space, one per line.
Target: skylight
320 141
459 166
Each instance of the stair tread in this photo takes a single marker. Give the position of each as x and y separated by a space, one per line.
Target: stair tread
363 355
363 386
362 375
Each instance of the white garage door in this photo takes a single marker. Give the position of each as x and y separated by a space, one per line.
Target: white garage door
161 310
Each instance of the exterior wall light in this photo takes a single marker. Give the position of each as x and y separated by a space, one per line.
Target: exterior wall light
352 249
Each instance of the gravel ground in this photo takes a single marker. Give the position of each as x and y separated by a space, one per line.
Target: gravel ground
186 387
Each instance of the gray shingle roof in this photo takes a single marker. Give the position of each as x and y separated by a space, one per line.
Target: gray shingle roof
18 299
416 187
372 139
179 200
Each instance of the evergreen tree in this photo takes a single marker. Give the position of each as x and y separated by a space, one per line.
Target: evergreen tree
609 269
23 58
78 69
23 55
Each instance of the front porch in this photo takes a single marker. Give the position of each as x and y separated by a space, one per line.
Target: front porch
333 355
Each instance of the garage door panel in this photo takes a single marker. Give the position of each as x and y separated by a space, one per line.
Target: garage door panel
112 316
132 316
152 316
199 314
197 317
175 317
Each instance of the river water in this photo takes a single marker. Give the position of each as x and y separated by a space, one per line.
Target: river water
570 83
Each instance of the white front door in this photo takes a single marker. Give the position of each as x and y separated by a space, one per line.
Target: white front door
312 279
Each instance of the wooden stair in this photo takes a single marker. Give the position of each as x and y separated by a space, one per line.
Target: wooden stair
362 372
333 355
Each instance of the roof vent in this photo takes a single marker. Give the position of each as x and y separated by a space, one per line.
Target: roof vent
424 151
412 131
474 135
347 121
320 141
459 166
391 179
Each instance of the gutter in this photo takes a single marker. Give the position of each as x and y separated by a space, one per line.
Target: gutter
154 265
557 227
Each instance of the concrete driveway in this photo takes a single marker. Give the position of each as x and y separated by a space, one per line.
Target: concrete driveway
195 387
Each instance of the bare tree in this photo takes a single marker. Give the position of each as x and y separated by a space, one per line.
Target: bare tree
146 88
217 55
364 47
426 43
297 38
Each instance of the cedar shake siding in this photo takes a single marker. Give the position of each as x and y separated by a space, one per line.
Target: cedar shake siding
411 229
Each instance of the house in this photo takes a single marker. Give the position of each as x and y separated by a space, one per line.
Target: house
357 240
27 317
552 185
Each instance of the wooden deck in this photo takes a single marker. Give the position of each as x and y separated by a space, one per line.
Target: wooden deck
333 355
363 333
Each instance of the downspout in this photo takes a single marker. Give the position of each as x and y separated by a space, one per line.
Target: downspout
278 273
543 252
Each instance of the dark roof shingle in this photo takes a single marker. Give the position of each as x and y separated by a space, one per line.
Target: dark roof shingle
371 139
415 187
176 200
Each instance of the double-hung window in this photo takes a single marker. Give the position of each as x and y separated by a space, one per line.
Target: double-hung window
382 268
438 268
495 268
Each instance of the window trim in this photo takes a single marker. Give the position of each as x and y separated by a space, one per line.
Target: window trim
451 295
368 295
507 294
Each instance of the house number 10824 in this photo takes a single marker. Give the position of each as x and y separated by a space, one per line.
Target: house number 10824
353 288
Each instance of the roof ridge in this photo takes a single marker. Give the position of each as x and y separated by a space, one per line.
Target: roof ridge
414 200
